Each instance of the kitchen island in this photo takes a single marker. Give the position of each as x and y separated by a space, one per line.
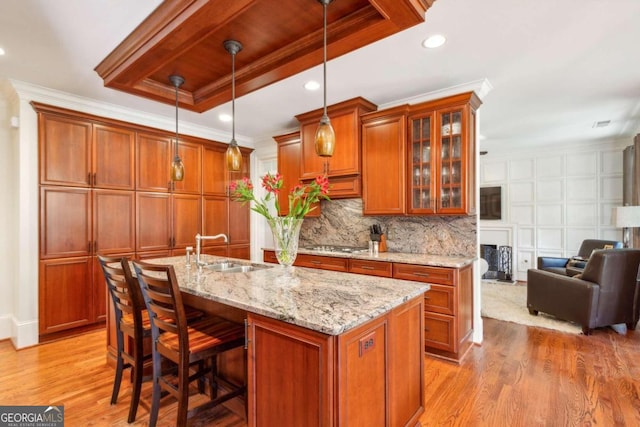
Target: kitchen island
324 348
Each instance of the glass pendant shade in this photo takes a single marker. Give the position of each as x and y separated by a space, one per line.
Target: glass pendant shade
177 167
233 154
233 157
325 138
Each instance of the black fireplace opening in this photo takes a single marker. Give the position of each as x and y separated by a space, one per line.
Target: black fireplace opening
499 260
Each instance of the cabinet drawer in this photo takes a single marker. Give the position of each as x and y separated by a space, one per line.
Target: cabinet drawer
422 273
440 299
323 262
371 268
440 332
269 256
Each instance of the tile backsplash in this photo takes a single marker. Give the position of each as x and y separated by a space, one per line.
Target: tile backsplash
342 223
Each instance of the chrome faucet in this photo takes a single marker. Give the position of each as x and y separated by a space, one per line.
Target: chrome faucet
199 238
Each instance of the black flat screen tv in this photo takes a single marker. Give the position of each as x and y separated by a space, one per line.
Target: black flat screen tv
490 202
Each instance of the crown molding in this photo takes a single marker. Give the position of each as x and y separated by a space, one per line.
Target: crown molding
481 87
30 92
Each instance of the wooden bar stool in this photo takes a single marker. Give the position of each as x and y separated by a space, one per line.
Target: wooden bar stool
131 319
191 347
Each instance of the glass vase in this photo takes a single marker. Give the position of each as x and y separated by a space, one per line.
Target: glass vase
286 231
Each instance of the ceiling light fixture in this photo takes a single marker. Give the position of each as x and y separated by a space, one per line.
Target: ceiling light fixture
2 52
325 141
224 117
434 41
233 154
312 85
177 167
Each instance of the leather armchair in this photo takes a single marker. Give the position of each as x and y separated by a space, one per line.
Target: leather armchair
606 293
559 265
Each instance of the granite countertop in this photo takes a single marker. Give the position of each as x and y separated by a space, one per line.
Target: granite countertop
399 257
324 301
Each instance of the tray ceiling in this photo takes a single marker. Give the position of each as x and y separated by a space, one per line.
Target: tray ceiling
280 38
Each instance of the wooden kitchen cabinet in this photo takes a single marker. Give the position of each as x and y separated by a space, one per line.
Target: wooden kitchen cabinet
72 294
322 262
420 159
191 155
441 156
344 167
371 268
153 162
384 135
448 307
220 214
300 377
289 157
167 221
105 189
75 152
113 157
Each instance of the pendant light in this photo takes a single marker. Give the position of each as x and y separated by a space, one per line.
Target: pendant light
177 167
325 141
233 154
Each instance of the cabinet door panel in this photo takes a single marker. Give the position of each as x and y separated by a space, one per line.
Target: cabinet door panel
289 167
153 222
186 219
65 151
440 332
214 174
191 155
153 162
99 291
363 365
65 222
113 157
274 400
239 222
114 221
383 165
215 219
65 295
239 251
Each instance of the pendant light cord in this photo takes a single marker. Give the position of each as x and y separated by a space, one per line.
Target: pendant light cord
324 49
233 96
176 120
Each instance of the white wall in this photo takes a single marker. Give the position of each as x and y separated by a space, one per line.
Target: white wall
555 197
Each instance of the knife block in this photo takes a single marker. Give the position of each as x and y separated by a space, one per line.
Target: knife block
383 243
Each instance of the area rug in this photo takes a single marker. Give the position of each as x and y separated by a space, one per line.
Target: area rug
509 302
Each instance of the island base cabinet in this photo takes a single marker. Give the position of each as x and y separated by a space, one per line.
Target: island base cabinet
371 375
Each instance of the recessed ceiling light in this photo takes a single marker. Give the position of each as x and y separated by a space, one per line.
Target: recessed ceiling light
312 85
434 41
2 52
224 117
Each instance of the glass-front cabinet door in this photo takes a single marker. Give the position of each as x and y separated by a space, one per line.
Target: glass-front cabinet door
451 169
422 193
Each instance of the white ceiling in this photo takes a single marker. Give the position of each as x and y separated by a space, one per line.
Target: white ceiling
556 67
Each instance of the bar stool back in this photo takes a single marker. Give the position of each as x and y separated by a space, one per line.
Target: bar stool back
190 347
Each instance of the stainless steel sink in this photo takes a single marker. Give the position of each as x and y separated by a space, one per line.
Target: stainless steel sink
233 267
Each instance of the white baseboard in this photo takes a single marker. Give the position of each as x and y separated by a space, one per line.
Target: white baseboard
5 327
24 334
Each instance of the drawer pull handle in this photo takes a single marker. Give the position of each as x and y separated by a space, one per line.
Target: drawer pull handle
421 274
367 267
313 261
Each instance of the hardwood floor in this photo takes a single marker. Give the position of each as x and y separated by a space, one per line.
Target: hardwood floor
520 376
